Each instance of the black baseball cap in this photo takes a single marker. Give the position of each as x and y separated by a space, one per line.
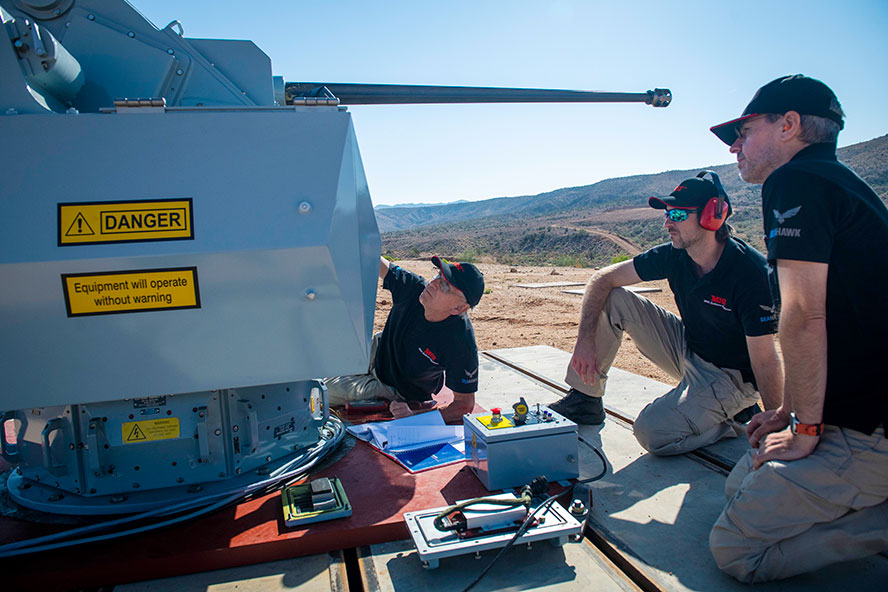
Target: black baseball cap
806 96
465 277
690 194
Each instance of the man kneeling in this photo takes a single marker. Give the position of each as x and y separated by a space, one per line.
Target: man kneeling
427 341
721 349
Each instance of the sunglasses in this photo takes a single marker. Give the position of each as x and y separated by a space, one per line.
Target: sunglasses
677 215
444 284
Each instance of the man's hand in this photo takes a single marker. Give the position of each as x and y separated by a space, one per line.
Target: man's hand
585 360
766 422
784 446
453 412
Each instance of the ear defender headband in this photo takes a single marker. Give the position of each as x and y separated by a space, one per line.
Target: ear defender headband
713 215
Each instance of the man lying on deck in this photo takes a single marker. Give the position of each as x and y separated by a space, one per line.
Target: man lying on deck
427 341
721 349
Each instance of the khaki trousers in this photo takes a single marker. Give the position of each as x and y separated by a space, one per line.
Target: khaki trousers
788 518
360 387
697 412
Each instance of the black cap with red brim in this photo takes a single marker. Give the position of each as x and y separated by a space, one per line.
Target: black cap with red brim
805 96
465 277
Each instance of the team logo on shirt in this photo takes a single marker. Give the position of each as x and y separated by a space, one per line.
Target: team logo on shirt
472 376
430 355
783 217
718 301
772 313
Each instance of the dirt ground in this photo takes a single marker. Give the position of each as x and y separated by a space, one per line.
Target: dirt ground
509 316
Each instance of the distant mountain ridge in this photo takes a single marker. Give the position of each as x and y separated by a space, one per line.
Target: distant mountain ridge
418 205
868 159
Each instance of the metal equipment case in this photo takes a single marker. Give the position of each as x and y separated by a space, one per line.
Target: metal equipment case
505 455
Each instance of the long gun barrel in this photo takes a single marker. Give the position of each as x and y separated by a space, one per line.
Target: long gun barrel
398 94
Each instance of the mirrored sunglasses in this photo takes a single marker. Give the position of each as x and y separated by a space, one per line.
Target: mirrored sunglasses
677 215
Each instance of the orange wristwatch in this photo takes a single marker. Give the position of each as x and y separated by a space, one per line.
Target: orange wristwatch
806 429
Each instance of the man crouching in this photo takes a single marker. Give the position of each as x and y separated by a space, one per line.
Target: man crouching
427 342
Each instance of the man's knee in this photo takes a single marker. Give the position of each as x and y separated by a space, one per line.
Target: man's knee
654 434
732 551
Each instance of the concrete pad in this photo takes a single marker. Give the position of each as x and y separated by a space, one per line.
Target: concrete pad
315 573
627 393
636 289
501 386
395 566
551 285
659 511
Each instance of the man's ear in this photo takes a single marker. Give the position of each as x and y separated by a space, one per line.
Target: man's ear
458 310
792 126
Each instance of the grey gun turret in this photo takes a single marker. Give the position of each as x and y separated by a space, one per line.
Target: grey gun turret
176 276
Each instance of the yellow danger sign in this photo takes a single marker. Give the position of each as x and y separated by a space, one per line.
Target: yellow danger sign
148 430
113 292
90 223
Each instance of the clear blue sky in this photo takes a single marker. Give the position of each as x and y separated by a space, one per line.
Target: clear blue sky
712 55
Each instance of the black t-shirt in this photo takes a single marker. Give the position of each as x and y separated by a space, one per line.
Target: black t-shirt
414 355
817 209
722 308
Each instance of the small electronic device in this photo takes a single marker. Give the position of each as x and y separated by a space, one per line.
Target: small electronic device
315 501
487 526
509 449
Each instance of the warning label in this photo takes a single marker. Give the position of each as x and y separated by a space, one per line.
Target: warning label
487 421
150 429
90 223
144 290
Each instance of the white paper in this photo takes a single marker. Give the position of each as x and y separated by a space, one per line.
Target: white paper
407 433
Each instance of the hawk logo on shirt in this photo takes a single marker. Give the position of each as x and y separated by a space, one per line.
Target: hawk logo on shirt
772 313
781 218
472 373
430 355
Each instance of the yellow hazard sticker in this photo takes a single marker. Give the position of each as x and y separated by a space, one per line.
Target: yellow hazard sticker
150 429
144 290
91 223
487 421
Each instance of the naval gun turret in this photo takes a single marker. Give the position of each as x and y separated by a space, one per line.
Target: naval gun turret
175 279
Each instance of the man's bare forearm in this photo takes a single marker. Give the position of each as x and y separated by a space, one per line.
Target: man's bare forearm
802 333
768 369
803 342
383 266
597 290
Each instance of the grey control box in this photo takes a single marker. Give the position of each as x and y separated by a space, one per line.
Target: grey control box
504 452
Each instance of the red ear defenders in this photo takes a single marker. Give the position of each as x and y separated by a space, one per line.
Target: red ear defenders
713 215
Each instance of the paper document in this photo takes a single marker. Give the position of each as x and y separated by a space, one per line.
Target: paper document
417 442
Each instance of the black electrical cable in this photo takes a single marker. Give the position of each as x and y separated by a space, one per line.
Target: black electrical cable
527 521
